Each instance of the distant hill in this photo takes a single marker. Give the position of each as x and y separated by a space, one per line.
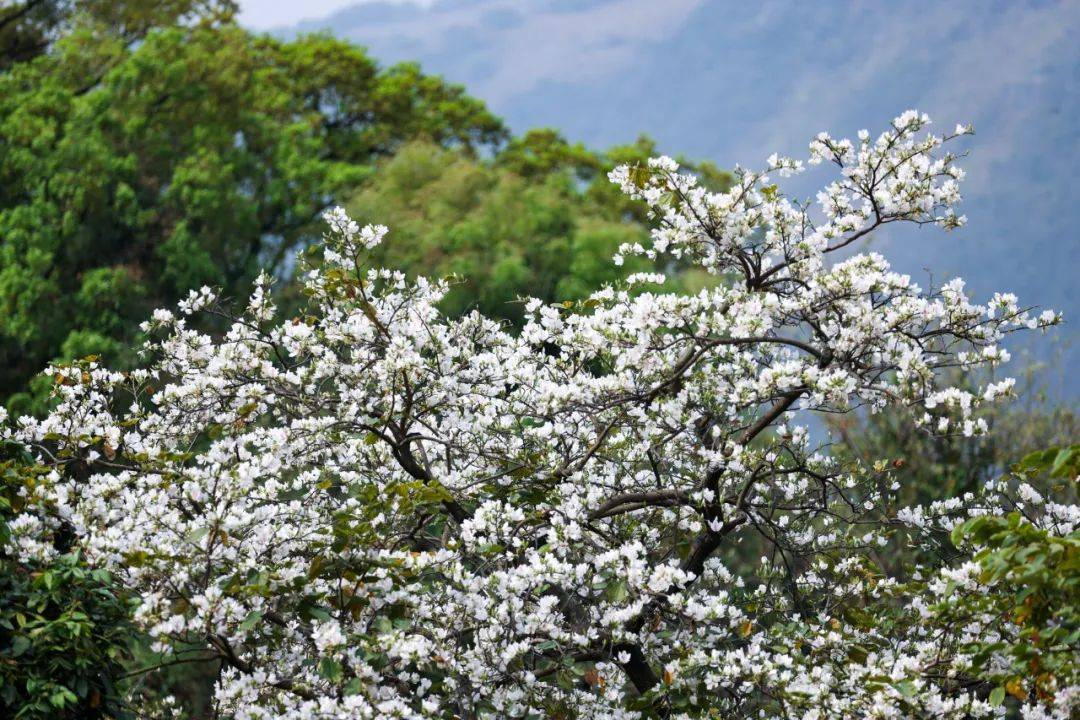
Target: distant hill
733 82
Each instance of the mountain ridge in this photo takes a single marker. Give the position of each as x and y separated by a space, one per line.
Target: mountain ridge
734 83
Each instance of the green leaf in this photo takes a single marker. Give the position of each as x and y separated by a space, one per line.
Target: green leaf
1065 462
251 620
330 669
19 645
318 613
905 688
617 591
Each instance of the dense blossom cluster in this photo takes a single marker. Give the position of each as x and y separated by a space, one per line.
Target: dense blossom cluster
375 510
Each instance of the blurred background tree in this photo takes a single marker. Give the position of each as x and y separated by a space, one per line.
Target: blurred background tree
29 28
540 219
930 467
148 148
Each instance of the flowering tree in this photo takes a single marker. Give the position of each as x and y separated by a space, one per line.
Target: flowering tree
376 510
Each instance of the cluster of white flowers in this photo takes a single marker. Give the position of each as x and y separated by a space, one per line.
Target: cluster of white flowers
373 510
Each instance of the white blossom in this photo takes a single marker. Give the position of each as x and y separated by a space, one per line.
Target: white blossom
376 510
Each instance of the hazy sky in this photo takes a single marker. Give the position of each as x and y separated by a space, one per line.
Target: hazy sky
267 14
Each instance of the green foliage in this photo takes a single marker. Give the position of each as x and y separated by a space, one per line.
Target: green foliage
63 635
28 28
1037 578
543 151
130 173
540 219
64 627
135 171
1035 585
1057 463
504 235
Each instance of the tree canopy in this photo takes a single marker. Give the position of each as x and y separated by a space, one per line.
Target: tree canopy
540 219
369 507
30 28
131 171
